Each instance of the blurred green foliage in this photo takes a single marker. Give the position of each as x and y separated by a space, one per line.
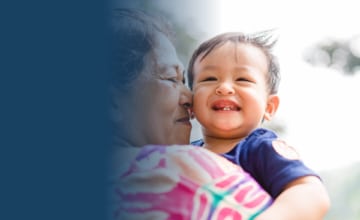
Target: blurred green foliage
343 55
344 190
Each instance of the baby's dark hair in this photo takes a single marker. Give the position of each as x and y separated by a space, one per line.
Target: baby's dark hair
263 40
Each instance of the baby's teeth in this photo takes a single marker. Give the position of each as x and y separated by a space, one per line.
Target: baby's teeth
226 108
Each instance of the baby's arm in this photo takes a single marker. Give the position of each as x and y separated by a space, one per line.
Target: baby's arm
303 198
298 191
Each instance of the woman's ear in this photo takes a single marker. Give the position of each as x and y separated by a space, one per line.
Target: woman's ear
271 107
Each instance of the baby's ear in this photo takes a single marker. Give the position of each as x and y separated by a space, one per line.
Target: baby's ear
271 106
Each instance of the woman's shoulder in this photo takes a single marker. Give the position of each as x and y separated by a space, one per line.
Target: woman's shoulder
158 175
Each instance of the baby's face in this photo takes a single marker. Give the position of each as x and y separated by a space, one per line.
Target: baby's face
230 90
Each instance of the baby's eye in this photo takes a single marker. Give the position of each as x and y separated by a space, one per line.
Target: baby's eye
243 79
210 78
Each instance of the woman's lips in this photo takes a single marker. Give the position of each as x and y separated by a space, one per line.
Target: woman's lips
184 120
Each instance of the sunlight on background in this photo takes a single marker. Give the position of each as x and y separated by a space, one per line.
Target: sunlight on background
318 105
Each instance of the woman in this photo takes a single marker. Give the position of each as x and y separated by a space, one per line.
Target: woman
150 99
149 178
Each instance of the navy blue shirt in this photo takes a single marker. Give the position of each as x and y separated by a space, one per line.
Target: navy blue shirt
257 156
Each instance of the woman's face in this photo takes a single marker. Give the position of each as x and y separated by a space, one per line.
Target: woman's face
156 106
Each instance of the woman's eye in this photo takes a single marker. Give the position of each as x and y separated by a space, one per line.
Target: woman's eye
173 79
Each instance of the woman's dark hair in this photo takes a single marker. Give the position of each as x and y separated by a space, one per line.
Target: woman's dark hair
133 34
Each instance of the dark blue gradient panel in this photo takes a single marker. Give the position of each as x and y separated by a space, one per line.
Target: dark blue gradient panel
55 130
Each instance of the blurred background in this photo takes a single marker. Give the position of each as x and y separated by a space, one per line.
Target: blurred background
319 53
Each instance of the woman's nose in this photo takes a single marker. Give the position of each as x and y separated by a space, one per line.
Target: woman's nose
186 98
225 88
